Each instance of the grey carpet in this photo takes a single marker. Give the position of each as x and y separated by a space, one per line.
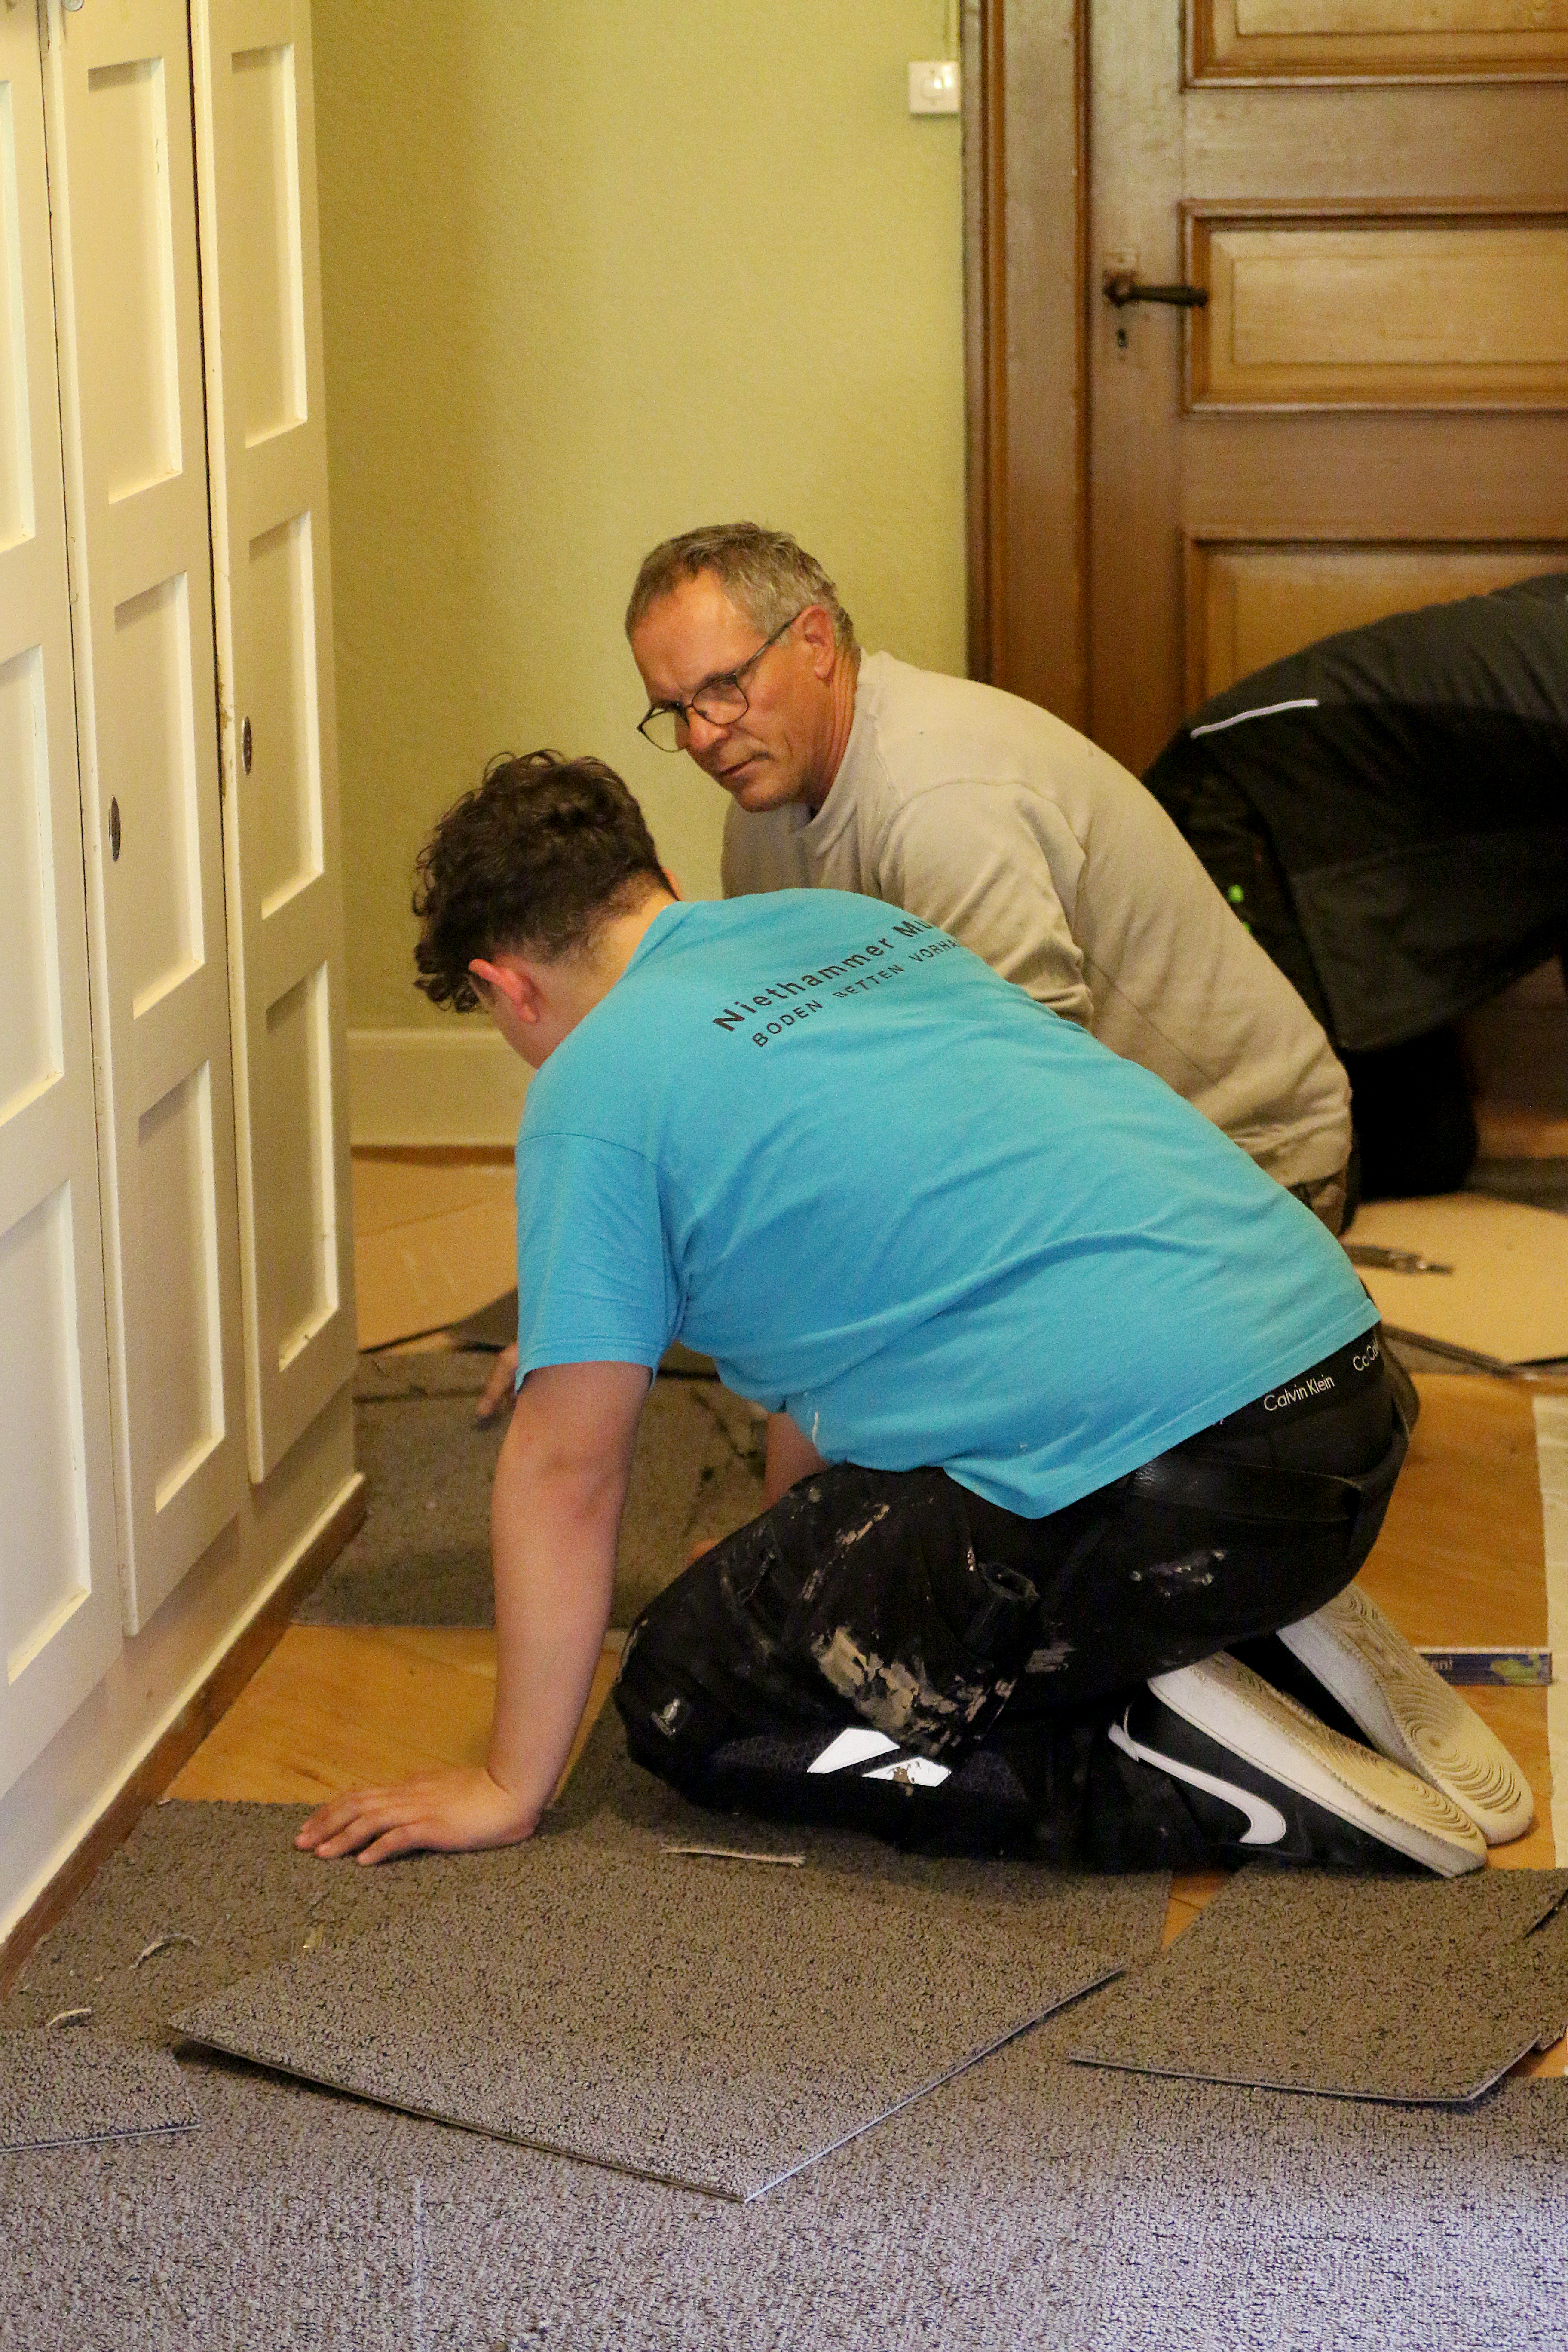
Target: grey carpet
69 2084
1539 1183
1023 2206
703 2022
422 1557
223 1892
1396 1989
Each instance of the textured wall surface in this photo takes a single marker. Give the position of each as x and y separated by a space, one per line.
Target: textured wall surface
592 274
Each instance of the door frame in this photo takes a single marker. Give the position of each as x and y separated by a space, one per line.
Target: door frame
1025 257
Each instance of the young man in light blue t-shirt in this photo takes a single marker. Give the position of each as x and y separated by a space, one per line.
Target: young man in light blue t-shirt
1086 1423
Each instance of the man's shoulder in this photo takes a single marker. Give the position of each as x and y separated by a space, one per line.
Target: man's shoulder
930 733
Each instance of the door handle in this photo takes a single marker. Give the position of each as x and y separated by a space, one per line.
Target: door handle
1120 286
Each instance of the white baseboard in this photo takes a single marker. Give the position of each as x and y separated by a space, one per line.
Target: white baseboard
413 1087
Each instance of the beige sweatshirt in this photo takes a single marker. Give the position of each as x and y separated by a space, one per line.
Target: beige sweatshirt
983 814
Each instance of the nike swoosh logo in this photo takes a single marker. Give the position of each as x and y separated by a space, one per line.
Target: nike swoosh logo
856 1747
860 1745
1265 1824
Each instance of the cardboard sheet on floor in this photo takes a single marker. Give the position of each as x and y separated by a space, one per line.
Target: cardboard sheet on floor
411 1279
706 2024
1415 1990
1507 1298
68 2084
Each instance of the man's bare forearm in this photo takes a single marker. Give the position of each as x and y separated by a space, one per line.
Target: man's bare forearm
555 1518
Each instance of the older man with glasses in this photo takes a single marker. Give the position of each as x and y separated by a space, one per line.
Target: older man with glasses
983 814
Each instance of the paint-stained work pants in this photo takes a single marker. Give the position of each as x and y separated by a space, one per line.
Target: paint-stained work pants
1000 1646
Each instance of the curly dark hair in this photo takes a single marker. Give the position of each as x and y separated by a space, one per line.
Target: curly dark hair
539 856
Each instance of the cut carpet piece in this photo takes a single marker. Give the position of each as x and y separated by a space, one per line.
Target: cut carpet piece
220 1891
393 1375
1023 2206
611 1800
423 1555
717 2032
68 2084
1507 1296
1543 1183
223 1892
1398 1988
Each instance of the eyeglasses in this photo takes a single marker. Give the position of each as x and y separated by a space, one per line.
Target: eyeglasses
721 700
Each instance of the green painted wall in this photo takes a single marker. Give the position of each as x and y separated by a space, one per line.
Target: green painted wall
594 271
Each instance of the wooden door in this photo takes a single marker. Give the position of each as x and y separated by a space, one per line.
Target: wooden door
1371 412
261 304
59 1599
121 188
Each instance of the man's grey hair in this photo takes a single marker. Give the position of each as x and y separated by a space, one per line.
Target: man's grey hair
766 573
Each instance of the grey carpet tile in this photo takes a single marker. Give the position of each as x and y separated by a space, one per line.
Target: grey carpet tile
612 1801
203 1895
422 1554
270 2225
706 2024
394 1375
1541 1183
69 2084
1022 2207
1398 1988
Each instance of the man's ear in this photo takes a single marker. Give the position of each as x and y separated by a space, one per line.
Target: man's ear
816 628
509 979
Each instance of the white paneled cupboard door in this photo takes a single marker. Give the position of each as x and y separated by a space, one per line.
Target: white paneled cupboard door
117 103
257 188
59 1601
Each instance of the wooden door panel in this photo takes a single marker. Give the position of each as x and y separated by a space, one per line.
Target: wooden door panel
1335 312
1374 144
125 249
1382 39
59 1600
1464 476
1250 605
268 454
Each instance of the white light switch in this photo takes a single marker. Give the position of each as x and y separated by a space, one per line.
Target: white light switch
933 86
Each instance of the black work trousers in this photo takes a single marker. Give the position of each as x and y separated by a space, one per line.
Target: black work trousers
1001 1646
1410 1102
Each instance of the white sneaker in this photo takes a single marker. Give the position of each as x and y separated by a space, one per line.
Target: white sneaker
1410 1713
1244 1748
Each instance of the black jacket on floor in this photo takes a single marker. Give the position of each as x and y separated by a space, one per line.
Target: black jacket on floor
1412 777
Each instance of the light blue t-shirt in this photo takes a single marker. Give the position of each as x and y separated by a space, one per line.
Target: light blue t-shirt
889 1193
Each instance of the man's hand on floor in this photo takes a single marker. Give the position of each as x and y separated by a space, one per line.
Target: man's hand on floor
497 1389
449 1812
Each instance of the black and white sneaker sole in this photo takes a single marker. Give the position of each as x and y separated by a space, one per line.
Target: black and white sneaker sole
1249 1721
1410 1714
